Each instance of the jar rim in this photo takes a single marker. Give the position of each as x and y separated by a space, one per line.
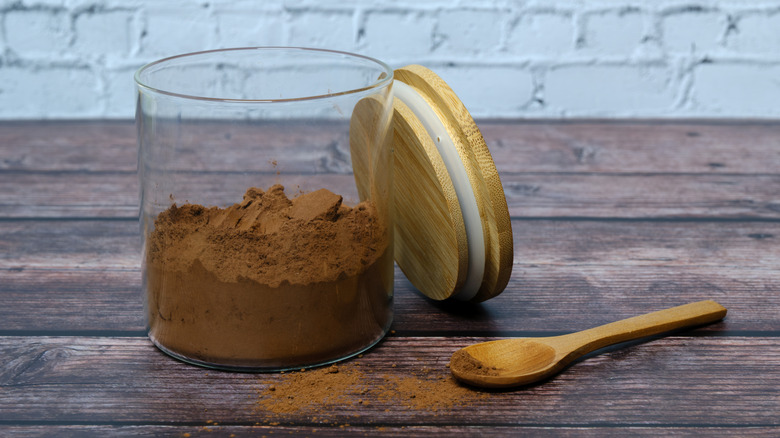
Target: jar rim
381 81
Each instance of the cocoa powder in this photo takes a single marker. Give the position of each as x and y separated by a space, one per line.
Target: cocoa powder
270 282
352 386
468 364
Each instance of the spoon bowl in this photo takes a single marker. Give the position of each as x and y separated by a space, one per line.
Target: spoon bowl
539 360
521 361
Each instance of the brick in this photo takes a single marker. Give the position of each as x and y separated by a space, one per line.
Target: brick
609 90
43 38
698 32
756 34
103 33
613 33
542 33
37 32
44 3
736 90
490 91
60 92
175 31
398 34
120 93
248 29
470 31
322 29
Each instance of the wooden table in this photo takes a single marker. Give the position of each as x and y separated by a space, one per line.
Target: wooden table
610 220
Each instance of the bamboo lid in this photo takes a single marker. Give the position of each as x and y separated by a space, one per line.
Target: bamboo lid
453 236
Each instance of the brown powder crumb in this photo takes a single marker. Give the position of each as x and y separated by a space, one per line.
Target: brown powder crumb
312 390
311 238
466 363
270 282
320 205
318 391
425 393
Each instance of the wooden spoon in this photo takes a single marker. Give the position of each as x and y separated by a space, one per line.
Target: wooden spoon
514 362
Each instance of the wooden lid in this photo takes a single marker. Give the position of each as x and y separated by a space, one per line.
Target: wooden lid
453 236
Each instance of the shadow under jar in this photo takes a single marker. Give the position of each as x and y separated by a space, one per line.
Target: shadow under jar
266 206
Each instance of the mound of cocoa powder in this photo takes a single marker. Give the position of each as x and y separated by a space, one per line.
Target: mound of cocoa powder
270 282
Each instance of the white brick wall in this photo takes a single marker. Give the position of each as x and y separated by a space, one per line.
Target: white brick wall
532 58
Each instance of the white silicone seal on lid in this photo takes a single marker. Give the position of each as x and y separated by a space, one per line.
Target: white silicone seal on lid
457 170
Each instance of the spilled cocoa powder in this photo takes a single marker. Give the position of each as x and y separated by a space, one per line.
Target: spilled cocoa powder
468 364
351 386
270 282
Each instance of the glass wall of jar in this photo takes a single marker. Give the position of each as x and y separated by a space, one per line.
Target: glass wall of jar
266 199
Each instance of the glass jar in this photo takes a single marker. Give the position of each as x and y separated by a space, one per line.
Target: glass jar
266 196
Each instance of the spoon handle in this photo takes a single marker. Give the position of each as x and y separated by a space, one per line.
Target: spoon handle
700 312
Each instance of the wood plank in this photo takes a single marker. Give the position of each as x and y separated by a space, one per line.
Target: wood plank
111 147
681 146
68 146
78 245
54 194
748 246
563 300
642 196
675 381
342 430
100 301
631 146
85 275
549 169
68 195
73 300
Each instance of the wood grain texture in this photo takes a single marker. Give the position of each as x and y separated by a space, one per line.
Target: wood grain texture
431 243
128 380
105 300
545 244
65 194
673 146
709 147
347 430
611 220
568 275
634 170
481 171
111 147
